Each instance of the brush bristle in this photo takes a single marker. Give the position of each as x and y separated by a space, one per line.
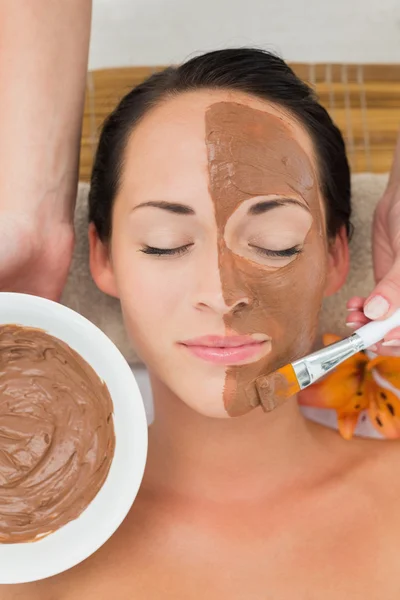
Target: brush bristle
274 389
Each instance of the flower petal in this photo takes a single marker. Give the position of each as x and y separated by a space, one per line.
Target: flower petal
330 338
336 390
384 411
388 367
347 422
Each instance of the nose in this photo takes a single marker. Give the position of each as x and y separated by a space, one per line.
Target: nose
221 286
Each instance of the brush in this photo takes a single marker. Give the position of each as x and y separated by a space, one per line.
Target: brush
277 387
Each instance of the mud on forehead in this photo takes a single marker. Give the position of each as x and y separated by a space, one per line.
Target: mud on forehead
253 153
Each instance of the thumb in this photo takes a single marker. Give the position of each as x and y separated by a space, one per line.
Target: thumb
15 244
385 298
8 249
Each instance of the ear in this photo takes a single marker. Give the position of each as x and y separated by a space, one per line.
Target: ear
100 264
338 262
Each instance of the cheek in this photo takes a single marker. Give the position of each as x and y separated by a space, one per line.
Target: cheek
146 292
296 298
284 303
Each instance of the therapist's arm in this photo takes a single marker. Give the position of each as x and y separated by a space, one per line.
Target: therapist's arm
44 48
385 298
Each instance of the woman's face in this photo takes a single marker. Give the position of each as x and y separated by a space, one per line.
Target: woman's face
219 252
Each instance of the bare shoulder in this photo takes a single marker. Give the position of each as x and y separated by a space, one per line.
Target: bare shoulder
382 456
385 459
376 471
20 592
372 465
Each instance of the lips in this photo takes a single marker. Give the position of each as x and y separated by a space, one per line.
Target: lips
229 350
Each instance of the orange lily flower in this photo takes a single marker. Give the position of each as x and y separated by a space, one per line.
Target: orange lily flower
351 389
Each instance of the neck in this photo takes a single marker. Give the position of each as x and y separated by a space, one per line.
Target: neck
236 458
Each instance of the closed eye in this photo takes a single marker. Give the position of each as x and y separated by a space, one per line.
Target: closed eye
166 251
286 253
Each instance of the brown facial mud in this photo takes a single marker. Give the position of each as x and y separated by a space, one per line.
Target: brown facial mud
254 153
57 436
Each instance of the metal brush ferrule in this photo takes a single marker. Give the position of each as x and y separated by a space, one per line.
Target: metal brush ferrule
316 365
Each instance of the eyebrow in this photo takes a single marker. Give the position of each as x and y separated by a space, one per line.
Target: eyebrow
173 207
265 205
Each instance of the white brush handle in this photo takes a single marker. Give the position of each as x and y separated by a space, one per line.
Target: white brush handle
376 330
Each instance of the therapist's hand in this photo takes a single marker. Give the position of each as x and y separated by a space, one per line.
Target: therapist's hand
385 298
43 65
34 256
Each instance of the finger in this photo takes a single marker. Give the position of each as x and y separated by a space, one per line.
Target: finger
386 295
356 319
391 343
355 303
385 350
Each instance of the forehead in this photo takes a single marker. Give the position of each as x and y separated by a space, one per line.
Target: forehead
251 153
169 151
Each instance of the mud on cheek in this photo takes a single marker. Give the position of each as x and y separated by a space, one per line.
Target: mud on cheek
283 304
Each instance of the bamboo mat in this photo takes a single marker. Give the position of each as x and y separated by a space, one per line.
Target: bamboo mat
363 100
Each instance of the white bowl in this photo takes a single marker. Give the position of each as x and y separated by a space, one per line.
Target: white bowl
73 543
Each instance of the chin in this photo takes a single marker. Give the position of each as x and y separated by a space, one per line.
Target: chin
203 395
213 410
206 400
202 392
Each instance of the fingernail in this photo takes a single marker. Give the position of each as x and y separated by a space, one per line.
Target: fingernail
352 325
352 309
391 343
376 308
373 348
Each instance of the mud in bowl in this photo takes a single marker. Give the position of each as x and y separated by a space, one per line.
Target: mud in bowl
73 438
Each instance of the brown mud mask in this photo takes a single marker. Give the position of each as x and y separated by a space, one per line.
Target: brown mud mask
56 434
252 153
